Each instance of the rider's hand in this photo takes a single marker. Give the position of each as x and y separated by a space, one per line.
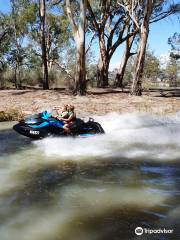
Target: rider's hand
56 108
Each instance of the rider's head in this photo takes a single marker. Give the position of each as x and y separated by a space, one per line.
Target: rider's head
65 107
71 108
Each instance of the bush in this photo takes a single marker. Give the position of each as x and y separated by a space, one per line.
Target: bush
11 114
7 79
60 79
32 77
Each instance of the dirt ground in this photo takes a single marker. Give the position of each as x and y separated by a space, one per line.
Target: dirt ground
97 101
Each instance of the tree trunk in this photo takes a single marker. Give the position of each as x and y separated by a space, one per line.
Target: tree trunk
102 72
120 74
139 65
103 64
126 56
42 13
79 37
18 73
80 78
17 77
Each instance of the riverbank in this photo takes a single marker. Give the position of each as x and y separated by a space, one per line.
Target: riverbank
14 104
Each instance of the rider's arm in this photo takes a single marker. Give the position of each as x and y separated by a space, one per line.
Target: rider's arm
56 109
61 118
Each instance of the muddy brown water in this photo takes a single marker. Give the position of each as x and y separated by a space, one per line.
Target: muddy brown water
96 188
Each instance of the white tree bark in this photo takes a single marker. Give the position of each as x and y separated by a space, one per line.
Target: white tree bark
42 15
79 37
139 65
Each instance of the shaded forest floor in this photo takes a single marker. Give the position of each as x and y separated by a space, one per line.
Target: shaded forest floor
97 101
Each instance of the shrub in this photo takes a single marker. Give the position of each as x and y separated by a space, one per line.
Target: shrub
11 114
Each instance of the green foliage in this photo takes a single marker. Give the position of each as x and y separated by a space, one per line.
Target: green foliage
127 77
29 14
7 79
151 66
171 71
174 41
6 32
57 33
32 77
20 48
172 68
91 75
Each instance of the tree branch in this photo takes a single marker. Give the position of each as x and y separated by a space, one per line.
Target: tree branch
93 16
81 28
131 16
161 16
2 36
70 17
112 31
64 69
120 40
90 43
54 3
105 13
133 53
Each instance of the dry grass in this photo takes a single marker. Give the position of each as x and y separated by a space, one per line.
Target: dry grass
11 114
14 104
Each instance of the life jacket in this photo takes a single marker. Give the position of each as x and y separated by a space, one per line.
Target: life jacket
65 114
69 114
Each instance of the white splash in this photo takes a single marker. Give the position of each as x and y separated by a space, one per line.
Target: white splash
127 135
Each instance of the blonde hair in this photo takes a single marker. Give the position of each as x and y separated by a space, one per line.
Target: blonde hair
71 107
65 107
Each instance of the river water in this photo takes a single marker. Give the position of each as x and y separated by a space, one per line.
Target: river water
98 188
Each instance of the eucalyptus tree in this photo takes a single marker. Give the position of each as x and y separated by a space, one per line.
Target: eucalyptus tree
152 11
6 33
132 10
161 10
78 25
16 53
139 64
124 60
47 34
114 25
12 46
42 17
17 23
